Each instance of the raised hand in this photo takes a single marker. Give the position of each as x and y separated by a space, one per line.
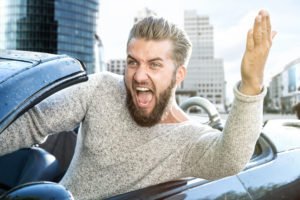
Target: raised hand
259 42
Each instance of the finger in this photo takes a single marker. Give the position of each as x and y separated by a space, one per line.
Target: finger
274 33
265 35
257 35
250 41
269 27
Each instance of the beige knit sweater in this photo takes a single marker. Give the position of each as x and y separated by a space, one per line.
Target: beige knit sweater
114 155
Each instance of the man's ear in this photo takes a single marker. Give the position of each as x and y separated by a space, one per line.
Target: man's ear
180 74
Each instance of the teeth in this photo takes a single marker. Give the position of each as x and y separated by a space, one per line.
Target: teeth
142 89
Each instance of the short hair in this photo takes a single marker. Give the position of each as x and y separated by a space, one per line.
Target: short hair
154 28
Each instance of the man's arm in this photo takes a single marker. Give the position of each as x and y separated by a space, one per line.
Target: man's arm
217 154
62 111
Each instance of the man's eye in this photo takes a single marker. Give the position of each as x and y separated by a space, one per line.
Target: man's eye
155 65
131 63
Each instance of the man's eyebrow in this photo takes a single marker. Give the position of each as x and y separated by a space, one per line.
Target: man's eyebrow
151 60
155 59
130 57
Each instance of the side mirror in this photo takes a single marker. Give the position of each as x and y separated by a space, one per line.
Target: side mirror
38 191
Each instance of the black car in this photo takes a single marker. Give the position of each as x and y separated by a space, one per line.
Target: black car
26 78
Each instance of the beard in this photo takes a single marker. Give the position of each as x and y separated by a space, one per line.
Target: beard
162 101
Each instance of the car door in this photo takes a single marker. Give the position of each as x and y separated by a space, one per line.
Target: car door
26 78
275 175
190 189
225 188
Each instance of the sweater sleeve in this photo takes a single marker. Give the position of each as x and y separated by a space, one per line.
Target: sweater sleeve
218 154
62 111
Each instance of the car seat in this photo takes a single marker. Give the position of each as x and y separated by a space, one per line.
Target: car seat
27 165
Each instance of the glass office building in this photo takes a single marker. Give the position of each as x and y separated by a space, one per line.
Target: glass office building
53 26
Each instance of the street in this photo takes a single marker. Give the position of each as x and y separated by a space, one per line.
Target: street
268 116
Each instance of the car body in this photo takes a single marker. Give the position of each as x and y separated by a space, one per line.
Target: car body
26 78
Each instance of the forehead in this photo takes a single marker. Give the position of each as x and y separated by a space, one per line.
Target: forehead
147 49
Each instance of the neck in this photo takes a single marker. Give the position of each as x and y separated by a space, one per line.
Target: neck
173 114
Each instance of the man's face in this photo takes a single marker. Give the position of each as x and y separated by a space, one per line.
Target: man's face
150 78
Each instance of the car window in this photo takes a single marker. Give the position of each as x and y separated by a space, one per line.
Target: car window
257 151
263 152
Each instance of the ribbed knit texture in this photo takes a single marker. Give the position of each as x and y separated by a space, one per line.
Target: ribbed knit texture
114 155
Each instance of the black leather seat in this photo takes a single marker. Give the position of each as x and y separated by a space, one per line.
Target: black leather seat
62 146
27 165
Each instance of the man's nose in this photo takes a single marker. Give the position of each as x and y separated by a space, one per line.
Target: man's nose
141 74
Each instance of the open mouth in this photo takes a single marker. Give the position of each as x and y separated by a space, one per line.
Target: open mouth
144 96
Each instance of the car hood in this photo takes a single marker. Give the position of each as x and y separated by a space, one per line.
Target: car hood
284 134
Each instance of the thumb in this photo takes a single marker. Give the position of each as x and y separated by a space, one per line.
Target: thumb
274 33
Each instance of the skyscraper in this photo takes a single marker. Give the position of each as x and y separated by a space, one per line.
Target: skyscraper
53 26
205 74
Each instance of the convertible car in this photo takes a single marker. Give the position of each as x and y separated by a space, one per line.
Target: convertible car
26 78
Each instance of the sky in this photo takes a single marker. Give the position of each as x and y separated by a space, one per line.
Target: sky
231 20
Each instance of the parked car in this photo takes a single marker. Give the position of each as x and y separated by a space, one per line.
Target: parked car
26 78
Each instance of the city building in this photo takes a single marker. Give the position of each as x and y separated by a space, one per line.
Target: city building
53 26
205 73
146 12
116 66
274 94
284 88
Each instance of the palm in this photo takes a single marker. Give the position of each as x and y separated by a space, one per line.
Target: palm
259 41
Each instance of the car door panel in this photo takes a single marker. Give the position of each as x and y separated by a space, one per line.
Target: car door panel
278 179
226 188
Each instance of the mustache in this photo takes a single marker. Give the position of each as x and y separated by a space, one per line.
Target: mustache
146 84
